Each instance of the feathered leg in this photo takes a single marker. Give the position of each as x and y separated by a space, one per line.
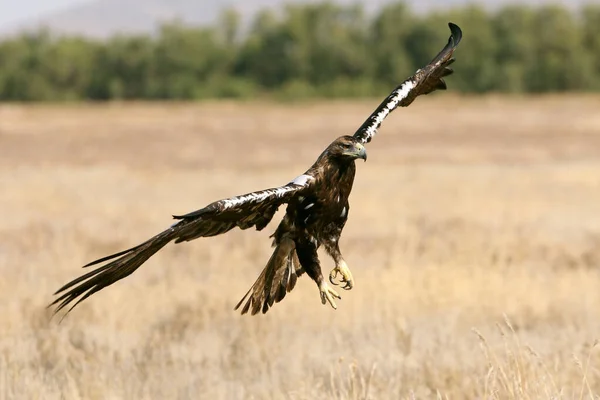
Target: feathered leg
309 260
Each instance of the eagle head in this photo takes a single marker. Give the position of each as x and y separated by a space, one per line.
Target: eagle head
347 148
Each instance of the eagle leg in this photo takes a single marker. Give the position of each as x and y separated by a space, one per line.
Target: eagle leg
328 294
309 260
346 276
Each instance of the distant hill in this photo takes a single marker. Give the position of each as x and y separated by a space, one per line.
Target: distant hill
102 18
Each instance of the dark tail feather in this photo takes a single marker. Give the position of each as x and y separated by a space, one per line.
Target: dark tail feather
277 278
96 280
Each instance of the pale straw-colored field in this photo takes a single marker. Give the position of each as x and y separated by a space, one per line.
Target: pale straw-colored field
474 240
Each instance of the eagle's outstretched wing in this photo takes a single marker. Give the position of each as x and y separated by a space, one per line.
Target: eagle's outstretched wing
254 209
424 81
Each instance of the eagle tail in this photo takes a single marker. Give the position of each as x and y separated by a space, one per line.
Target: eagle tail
126 263
277 279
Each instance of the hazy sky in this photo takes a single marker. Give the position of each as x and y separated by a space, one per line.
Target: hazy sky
16 10
12 11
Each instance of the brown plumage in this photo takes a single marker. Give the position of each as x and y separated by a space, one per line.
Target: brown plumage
317 210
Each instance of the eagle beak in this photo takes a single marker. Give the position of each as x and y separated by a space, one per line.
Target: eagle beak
361 152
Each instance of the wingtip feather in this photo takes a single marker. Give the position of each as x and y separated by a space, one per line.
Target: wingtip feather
247 306
455 34
447 72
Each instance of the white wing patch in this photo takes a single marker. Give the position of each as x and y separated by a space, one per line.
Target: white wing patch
393 100
256 197
302 180
262 195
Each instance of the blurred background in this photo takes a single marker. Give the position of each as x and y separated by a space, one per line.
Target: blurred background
158 49
473 233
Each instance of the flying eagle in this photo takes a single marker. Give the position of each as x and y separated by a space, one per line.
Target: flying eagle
317 210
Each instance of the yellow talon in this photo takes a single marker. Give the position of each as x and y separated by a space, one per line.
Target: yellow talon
346 276
327 295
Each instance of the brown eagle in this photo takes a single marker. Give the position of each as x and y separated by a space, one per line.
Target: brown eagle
317 210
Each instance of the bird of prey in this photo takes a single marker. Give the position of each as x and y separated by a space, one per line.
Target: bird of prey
317 210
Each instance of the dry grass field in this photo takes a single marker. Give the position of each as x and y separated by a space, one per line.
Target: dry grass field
474 239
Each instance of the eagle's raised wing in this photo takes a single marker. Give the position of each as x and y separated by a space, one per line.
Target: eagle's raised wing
254 209
424 81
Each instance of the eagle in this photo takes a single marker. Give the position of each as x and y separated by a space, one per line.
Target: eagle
317 210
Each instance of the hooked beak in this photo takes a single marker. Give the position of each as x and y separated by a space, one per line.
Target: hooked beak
361 152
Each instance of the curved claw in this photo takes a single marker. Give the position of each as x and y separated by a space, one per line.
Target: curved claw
328 294
332 275
346 276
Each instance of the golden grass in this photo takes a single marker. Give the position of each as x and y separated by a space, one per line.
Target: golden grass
474 239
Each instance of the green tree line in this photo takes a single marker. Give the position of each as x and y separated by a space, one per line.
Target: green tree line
311 50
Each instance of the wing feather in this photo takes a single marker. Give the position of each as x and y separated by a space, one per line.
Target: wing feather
254 209
424 81
245 211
